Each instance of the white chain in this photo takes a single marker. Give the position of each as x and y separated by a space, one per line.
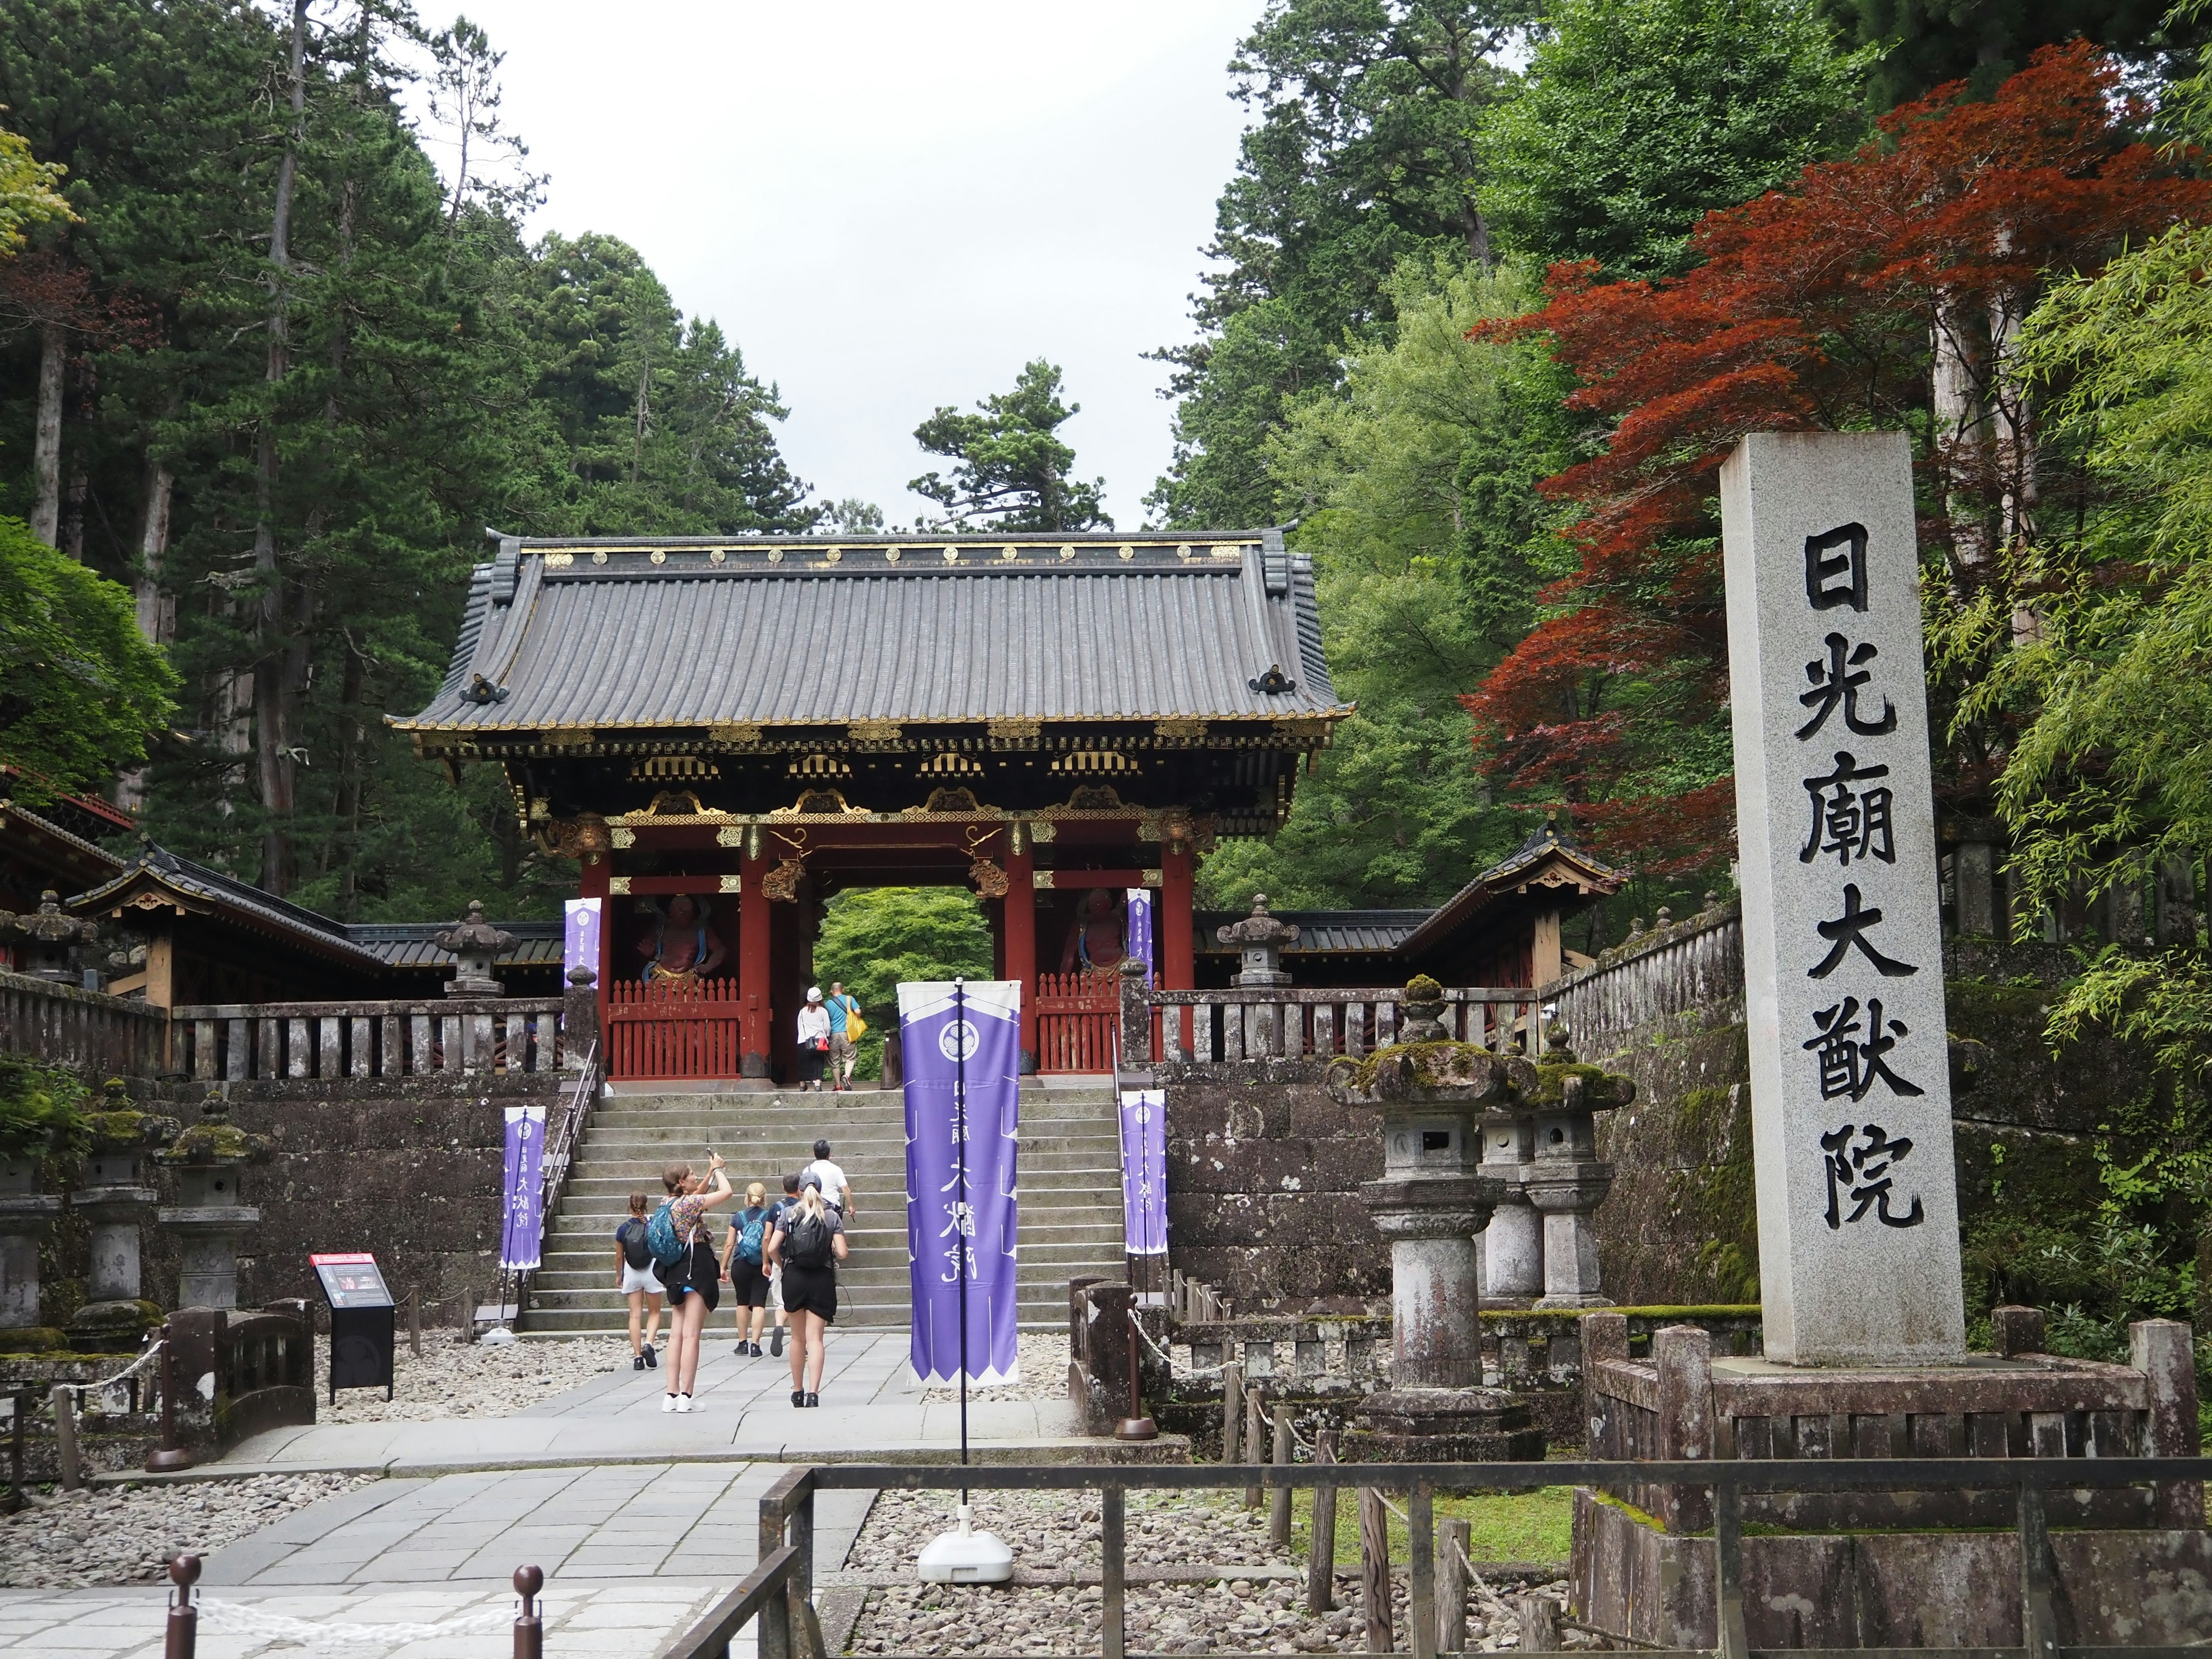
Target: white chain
242 1620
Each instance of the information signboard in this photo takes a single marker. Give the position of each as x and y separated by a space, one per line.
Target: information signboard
362 1320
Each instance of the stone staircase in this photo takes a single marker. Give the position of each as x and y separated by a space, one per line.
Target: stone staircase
1070 1191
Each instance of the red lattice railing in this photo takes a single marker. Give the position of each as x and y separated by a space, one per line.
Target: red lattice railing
672 1029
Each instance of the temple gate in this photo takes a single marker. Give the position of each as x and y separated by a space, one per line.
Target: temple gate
726 732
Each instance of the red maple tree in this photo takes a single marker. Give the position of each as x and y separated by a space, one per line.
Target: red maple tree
1883 290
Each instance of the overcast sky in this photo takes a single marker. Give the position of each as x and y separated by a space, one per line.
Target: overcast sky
894 206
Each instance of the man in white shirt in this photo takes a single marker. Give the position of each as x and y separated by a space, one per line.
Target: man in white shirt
835 1190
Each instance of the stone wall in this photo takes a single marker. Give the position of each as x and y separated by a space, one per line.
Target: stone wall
1263 1184
405 1167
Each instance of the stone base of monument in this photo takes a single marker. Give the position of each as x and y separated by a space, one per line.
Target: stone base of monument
1443 1425
1909 1568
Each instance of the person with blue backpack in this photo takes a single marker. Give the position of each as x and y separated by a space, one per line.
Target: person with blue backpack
683 1260
744 1269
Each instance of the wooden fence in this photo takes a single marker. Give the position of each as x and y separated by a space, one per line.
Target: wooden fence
1076 1015
328 1040
674 1029
89 1032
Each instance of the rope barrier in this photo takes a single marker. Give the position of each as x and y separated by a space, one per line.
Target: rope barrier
46 1406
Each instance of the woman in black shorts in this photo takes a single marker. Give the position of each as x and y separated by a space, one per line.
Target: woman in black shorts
695 1283
809 1242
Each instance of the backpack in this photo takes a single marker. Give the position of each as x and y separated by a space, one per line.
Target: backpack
751 1236
668 1250
807 1240
632 1235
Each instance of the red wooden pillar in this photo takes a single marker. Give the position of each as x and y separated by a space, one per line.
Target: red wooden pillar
1019 931
754 987
1178 956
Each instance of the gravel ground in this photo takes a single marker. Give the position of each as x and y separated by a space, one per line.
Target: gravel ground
125 1535
452 1381
1044 1371
1055 1533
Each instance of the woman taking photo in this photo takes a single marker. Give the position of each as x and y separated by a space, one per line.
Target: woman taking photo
693 1282
809 1242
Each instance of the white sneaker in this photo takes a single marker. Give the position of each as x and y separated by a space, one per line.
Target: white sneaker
683 1402
668 1402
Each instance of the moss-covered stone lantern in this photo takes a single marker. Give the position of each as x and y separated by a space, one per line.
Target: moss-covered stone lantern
210 1216
113 1199
475 944
1432 1198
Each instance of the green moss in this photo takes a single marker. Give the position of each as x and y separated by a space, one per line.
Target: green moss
1718 1201
1552 1081
1523 1526
42 1111
128 1129
42 1339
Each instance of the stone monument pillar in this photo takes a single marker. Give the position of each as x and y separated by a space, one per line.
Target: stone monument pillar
1513 1242
209 1217
1433 1198
1850 1093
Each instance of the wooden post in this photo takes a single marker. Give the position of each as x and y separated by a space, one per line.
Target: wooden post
1109 1593
1255 1438
1454 1542
468 1314
1375 1569
1233 1410
65 1437
1278 1499
1540 1624
1421 1553
415 1322
1321 1547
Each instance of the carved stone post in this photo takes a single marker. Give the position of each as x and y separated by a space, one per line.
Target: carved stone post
580 1018
25 1214
1513 1244
1433 1198
1136 1017
208 1220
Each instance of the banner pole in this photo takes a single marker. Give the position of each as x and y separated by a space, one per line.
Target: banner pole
960 1155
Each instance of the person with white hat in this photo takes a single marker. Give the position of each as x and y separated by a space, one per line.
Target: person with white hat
813 1040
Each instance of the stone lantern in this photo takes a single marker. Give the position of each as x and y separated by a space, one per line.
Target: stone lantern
54 937
1260 938
209 1219
25 1213
115 1202
475 944
1565 1179
1433 1198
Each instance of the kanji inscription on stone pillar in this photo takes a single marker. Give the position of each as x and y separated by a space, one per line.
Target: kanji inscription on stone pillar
1858 1224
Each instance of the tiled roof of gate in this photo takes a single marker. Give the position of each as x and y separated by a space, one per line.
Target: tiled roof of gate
410 944
577 634
1320 931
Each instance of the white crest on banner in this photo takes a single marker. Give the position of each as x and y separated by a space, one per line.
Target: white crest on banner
989 998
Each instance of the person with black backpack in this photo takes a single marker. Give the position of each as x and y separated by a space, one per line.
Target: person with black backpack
809 1242
634 1266
744 1268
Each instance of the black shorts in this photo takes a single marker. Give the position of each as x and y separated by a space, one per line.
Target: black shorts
701 1276
811 1290
747 1283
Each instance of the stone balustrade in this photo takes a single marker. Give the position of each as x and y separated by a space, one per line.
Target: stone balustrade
331 1040
89 1032
1282 1022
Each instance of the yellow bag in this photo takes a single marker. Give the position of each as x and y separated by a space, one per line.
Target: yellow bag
855 1027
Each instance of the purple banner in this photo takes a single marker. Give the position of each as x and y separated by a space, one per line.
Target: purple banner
1144 1171
979 1042
579 935
1139 932
522 1228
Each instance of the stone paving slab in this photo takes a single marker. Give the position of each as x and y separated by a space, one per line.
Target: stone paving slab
691 1523
615 1619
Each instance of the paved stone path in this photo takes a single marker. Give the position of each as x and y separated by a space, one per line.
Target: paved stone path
640 1519
870 1405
